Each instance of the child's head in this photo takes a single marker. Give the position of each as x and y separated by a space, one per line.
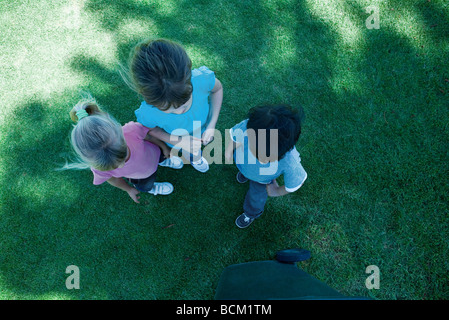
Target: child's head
97 138
284 119
160 70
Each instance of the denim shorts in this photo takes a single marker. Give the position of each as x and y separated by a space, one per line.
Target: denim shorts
146 184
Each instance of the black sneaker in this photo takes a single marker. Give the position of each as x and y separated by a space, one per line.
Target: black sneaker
241 178
243 221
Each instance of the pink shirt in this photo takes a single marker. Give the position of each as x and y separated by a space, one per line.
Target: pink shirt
144 157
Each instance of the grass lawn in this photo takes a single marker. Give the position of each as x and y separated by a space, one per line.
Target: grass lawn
374 145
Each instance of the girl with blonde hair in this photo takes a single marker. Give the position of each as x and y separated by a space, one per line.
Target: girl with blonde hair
118 154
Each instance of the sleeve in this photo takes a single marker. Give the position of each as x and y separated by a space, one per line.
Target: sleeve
204 78
145 115
238 132
100 176
295 176
135 128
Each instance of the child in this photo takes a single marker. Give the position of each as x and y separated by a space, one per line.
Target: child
275 129
175 108
113 151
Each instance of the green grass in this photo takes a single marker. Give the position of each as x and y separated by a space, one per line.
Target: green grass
374 144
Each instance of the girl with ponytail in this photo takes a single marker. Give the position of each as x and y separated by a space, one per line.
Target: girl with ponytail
124 156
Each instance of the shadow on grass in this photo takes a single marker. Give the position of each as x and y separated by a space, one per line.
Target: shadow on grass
252 74
35 203
436 18
395 159
367 146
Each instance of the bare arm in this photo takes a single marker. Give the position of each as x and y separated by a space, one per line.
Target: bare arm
216 100
165 149
189 143
275 190
159 134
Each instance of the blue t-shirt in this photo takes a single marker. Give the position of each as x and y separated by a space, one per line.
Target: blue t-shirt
190 122
289 166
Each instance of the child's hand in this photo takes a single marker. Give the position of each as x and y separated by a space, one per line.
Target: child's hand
273 189
190 143
229 153
133 192
208 136
166 152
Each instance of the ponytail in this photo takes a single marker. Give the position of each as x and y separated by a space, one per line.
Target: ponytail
86 105
97 138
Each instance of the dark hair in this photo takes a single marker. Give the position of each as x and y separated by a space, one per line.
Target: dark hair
160 70
283 118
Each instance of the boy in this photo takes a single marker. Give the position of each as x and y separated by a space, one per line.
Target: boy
264 147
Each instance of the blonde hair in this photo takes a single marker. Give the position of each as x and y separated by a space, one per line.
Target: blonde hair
97 139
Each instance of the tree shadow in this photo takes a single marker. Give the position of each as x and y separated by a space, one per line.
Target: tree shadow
436 18
35 200
401 141
240 63
360 131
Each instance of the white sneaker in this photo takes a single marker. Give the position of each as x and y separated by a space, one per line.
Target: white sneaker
161 188
173 162
201 165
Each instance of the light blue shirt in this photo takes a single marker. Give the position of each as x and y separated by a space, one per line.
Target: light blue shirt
289 166
194 121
